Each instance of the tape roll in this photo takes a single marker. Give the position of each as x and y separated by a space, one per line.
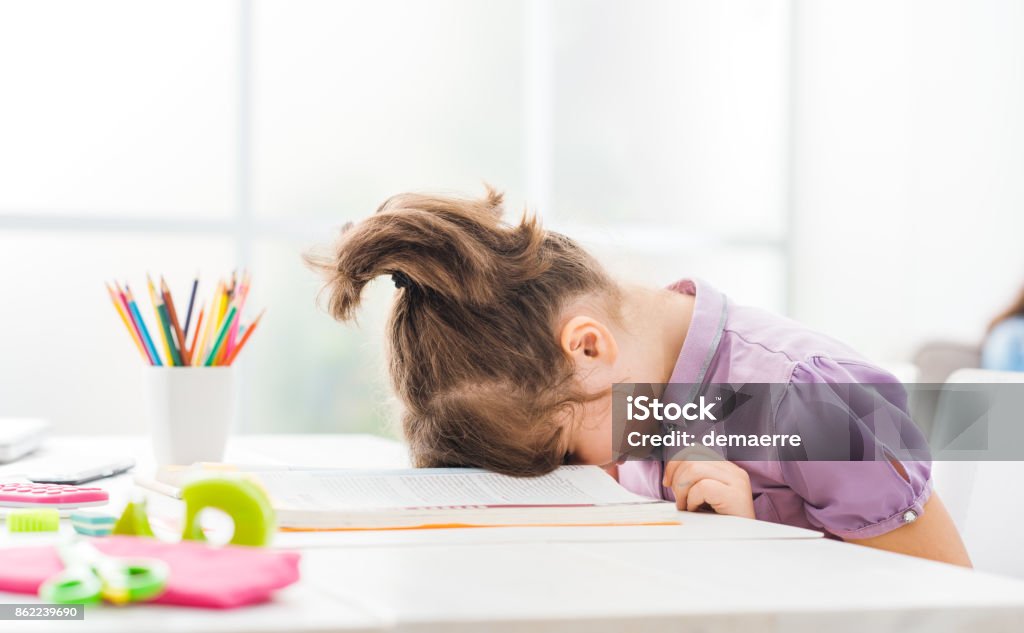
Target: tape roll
242 500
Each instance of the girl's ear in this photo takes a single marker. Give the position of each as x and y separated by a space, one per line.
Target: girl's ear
590 345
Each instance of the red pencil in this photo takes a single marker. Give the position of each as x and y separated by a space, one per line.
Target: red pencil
245 337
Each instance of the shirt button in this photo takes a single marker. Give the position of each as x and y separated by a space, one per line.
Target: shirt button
909 516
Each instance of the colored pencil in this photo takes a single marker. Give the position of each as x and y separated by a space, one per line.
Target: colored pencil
221 336
217 336
165 327
191 303
195 337
201 334
134 308
163 337
243 294
175 327
245 337
126 321
135 323
211 323
222 352
222 304
224 326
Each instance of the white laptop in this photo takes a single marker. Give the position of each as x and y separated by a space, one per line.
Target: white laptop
20 436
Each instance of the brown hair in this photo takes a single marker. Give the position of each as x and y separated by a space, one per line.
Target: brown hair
473 352
1015 309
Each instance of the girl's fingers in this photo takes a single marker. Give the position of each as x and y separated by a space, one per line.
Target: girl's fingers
689 454
721 484
673 470
688 474
712 492
681 492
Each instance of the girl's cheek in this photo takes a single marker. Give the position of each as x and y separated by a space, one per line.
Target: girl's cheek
596 448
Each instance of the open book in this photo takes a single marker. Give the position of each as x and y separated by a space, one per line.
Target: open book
453 497
449 497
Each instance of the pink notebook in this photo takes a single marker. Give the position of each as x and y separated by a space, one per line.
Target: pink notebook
201 576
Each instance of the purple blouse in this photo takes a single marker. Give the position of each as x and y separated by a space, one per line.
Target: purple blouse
729 343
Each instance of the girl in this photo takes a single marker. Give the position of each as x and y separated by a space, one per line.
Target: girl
504 342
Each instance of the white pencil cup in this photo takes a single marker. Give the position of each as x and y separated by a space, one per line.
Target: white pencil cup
192 411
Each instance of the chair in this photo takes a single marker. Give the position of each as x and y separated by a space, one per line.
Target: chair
985 499
935 361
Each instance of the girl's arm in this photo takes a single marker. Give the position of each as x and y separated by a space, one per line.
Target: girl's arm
933 535
726 488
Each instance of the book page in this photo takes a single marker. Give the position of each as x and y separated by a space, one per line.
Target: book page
442 487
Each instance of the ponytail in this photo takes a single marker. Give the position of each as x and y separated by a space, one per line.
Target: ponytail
455 249
473 351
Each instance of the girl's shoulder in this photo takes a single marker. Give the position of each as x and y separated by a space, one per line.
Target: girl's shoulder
758 345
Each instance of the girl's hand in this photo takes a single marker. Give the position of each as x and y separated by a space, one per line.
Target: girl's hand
721 484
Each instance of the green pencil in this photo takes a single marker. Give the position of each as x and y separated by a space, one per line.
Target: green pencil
165 323
221 336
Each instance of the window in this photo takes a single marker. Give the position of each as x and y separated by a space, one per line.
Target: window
212 135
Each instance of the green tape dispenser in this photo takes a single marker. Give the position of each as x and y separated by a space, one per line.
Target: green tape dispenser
242 500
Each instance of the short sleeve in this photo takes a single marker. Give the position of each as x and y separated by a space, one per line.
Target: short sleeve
864 469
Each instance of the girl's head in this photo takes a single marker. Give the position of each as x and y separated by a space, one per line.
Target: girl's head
490 368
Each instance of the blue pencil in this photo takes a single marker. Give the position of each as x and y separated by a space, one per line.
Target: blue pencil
142 326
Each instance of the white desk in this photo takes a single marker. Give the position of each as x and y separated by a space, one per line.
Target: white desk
710 574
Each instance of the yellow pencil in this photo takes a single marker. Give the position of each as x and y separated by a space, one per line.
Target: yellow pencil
234 303
200 354
127 322
222 308
222 304
163 337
